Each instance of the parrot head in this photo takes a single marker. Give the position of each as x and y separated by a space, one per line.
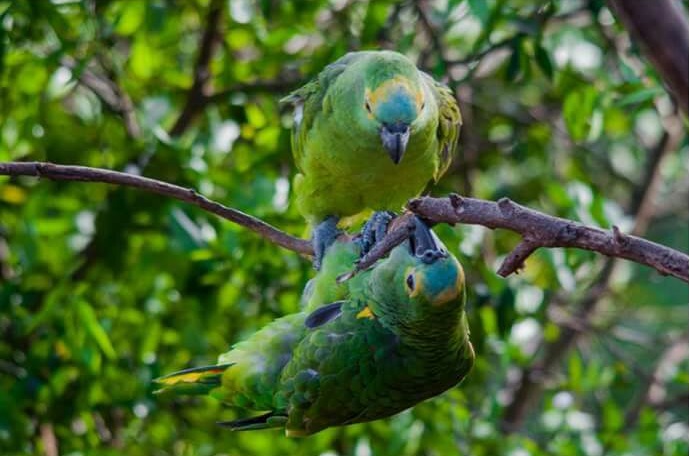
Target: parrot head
392 100
418 279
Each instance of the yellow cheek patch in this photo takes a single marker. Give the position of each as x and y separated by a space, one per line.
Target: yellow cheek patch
460 276
447 295
451 292
365 313
419 99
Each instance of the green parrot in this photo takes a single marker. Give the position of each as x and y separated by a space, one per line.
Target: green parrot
370 131
394 335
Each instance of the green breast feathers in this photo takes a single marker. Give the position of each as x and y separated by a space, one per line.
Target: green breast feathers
363 350
370 131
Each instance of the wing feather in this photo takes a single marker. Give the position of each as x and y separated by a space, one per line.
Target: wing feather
449 122
308 102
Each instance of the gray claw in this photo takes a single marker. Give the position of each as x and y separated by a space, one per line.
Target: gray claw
374 230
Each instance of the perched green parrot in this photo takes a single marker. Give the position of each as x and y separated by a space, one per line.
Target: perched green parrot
395 335
370 131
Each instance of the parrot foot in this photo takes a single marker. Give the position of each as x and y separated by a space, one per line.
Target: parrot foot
374 230
323 236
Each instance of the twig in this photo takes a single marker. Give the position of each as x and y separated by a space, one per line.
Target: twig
109 93
542 230
383 38
276 85
474 57
201 84
6 271
663 32
433 33
49 440
652 391
87 174
680 400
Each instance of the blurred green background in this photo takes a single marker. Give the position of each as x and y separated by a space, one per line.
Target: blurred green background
104 288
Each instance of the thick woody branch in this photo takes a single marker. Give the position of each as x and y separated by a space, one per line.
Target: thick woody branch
86 174
542 230
537 229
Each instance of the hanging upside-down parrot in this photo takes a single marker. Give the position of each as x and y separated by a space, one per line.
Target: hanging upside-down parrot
370 131
396 335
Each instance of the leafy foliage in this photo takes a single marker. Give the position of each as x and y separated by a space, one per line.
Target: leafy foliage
103 289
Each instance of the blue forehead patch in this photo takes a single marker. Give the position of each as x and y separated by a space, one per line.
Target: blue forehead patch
397 106
440 276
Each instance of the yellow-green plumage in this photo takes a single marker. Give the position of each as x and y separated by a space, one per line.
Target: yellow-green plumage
344 168
396 335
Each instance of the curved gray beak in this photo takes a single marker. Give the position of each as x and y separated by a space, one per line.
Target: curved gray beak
395 138
424 244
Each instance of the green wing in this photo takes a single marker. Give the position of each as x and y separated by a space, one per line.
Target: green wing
309 100
450 119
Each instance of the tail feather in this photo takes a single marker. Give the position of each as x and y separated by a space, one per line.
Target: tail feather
197 380
268 420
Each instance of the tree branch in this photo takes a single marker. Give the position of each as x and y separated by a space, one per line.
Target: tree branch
530 386
663 33
200 86
537 229
434 35
542 230
652 391
87 174
274 85
109 93
50 446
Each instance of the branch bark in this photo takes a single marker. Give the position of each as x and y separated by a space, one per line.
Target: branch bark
537 229
663 33
542 230
87 174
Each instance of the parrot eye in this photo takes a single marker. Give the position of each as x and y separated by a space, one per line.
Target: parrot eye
411 283
367 105
423 105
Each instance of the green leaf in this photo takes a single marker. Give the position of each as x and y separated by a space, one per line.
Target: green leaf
575 372
88 318
514 66
131 18
543 60
577 111
640 96
479 8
